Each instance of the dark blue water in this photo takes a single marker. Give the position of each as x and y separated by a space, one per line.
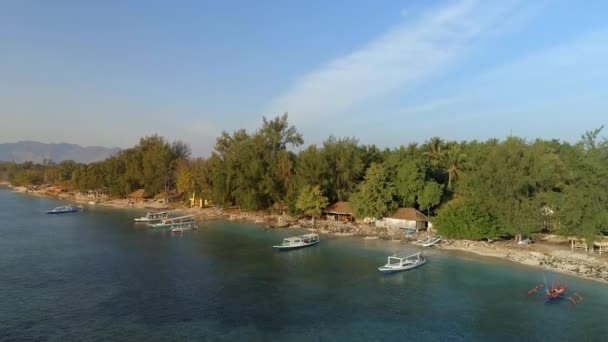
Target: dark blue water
95 275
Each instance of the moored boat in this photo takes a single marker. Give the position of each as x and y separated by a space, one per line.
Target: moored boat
298 242
397 263
153 217
65 209
171 221
431 241
182 227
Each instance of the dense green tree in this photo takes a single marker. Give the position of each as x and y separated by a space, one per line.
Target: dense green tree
465 220
184 179
375 196
311 167
311 201
430 196
344 167
513 183
583 211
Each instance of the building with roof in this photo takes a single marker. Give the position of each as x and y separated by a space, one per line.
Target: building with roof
339 211
405 218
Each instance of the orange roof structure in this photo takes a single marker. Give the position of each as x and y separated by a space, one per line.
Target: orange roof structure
409 214
339 208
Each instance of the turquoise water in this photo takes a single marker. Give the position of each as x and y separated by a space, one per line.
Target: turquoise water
96 276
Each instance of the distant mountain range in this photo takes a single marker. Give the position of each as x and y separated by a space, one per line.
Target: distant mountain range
37 152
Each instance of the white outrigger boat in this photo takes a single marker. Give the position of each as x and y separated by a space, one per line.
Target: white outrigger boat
169 222
298 242
430 241
182 227
153 217
397 263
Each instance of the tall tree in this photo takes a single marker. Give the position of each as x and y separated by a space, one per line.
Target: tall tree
311 201
455 160
430 196
436 151
344 167
375 197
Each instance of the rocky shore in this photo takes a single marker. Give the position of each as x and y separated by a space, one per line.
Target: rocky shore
551 256
556 257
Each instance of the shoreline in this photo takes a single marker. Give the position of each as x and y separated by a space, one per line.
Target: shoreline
544 255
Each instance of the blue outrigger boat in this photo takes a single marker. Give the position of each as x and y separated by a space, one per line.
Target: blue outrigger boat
65 209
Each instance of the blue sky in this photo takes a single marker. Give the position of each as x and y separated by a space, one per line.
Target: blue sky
108 72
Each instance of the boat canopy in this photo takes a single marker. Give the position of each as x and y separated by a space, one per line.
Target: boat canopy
178 219
158 213
305 237
397 259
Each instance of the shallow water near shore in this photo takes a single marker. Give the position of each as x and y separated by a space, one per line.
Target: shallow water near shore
96 275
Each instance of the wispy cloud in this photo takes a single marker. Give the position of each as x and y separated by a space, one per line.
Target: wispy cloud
429 106
399 59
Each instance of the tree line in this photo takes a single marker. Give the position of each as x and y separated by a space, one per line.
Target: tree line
471 189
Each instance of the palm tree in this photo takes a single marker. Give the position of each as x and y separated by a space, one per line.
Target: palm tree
455 160
436 152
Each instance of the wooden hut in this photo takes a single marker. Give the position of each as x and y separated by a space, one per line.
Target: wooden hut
406 218
339 211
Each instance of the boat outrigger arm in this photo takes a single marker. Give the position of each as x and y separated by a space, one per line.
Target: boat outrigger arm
557 290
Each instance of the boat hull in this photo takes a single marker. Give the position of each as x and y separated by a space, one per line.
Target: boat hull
289 248
145 220
389 270
165 225
430 243
64 211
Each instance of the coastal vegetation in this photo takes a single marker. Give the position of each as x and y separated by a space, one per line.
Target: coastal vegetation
471 189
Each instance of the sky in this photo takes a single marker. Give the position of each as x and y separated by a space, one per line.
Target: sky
387 72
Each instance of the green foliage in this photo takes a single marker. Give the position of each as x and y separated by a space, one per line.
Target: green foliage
514 182
375 197
500 186
254 171
311 201
342 168
430 196
584 205
409 182
455 161
185 181
465 220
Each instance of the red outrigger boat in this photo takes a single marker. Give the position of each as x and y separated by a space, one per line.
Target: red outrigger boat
556 291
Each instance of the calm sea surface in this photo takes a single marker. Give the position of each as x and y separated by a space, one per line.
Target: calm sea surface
95 275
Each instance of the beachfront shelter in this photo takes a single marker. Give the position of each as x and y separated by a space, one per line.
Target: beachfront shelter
339 211
406 218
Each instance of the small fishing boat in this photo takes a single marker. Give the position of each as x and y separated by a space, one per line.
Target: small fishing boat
182 227
153 217
408 231
171 221
397 263
430 241
298 242
65 209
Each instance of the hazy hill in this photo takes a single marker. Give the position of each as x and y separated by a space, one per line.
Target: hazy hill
36 152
